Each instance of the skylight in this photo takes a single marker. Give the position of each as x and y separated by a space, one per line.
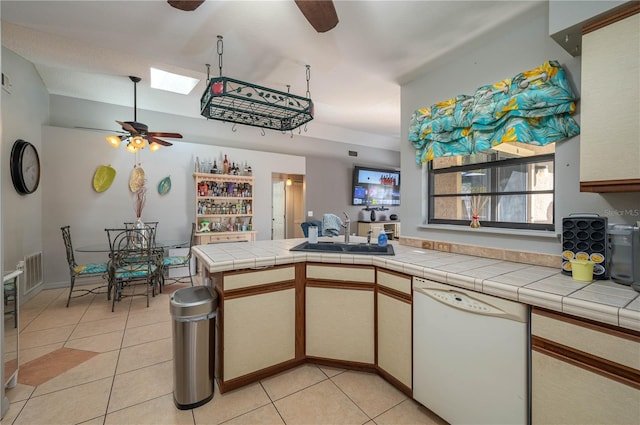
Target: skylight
175 83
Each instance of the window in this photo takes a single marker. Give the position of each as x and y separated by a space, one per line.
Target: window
514 185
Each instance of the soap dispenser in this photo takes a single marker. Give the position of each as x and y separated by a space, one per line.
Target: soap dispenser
382 238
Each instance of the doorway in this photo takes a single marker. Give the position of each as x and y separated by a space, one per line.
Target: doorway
287 205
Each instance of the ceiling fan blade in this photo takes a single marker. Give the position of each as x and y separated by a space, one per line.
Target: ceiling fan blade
128 127
321 14
158 141
186 5
162 134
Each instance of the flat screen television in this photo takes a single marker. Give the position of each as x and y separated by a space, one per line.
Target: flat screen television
375 187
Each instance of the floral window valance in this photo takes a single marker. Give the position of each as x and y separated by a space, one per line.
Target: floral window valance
534 107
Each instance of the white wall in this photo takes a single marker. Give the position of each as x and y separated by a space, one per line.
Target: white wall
71 157
24 110
520 45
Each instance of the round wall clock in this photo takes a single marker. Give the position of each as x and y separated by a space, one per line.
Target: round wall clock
25 167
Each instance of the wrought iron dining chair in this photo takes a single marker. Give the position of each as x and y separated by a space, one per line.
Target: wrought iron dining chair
89 270
151 227
178 261
134 261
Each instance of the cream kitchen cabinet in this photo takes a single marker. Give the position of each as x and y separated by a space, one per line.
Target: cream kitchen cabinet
394 330
609 106
583 372
224 208
256 324
339 307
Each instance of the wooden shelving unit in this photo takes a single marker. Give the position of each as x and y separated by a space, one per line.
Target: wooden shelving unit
224 208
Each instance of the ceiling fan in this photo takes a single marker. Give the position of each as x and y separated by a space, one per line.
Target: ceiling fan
137 134
321 14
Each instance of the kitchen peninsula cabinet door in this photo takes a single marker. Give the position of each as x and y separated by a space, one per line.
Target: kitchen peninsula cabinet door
582 372
394 327
258 318
394 338
340 322
259 332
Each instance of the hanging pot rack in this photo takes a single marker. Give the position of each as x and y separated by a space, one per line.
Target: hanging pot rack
230 100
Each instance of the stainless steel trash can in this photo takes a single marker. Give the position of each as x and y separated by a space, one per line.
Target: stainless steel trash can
193 311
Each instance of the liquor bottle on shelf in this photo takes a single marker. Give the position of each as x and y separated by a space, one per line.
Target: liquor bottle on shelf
225 165
215 168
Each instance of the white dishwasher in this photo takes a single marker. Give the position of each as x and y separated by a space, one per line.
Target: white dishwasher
470 355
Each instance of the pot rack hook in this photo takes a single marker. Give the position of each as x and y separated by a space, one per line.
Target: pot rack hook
233 128
262 132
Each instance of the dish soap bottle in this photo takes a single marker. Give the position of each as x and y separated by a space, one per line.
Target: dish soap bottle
382 238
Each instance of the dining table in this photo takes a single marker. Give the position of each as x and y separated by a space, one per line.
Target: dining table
104 246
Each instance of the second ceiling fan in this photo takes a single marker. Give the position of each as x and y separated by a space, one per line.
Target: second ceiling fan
321 14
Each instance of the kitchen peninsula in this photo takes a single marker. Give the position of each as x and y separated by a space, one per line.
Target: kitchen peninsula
280 308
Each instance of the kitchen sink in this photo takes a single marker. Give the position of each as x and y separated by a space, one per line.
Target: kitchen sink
337 247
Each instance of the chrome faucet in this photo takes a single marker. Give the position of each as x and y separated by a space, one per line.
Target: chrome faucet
347 227
369 232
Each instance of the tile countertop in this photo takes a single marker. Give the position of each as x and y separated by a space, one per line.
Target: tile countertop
603 300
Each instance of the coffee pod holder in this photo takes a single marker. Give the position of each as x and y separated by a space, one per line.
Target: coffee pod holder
584 238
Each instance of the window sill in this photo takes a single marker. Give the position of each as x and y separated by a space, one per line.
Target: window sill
492 231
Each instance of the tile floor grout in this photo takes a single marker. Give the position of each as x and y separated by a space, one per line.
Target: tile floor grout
307 394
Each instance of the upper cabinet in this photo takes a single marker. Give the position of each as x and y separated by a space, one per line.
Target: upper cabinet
610 104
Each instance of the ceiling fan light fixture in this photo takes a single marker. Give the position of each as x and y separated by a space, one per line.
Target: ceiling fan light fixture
153 147
139 142
131 148
114 141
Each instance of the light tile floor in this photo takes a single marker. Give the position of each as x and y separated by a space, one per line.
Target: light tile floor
130 380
